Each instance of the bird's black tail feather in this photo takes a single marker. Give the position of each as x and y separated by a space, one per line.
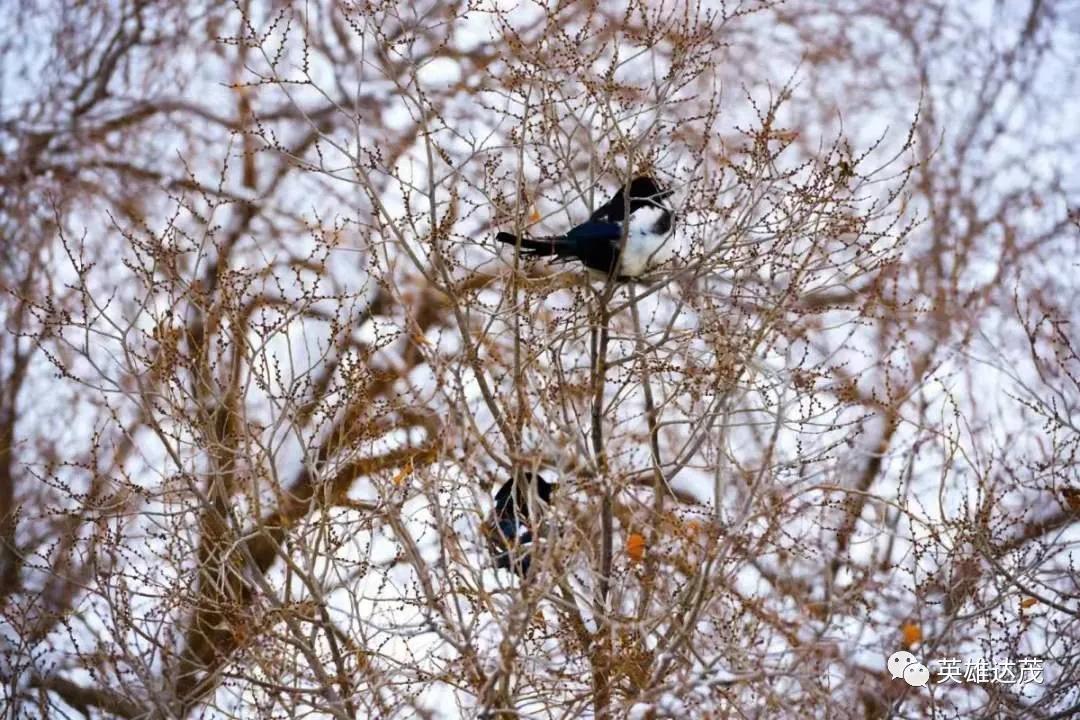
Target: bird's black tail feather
537 247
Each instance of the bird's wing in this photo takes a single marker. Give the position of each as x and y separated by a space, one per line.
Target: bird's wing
595 232
611 211
502 497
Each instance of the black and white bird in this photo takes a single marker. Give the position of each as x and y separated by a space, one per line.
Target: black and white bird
598 242
515 519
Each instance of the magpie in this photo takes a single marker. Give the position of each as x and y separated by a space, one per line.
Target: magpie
596 242
510 526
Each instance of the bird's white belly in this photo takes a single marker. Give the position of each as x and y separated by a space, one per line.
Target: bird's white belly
644 248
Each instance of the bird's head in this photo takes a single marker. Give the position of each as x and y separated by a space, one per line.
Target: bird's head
543 487
518 492
644 187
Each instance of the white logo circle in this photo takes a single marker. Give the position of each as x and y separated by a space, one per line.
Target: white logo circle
899 661
916 674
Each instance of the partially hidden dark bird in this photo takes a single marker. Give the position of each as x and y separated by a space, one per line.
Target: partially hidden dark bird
515 519
598 242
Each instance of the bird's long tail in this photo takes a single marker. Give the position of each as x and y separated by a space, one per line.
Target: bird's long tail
537 247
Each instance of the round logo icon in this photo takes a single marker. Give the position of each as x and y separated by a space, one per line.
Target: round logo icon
916 674
899 661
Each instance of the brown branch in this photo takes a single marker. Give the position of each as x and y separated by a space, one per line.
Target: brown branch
84 698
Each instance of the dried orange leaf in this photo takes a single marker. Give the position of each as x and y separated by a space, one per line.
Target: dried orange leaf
635 547
912 634
403 473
